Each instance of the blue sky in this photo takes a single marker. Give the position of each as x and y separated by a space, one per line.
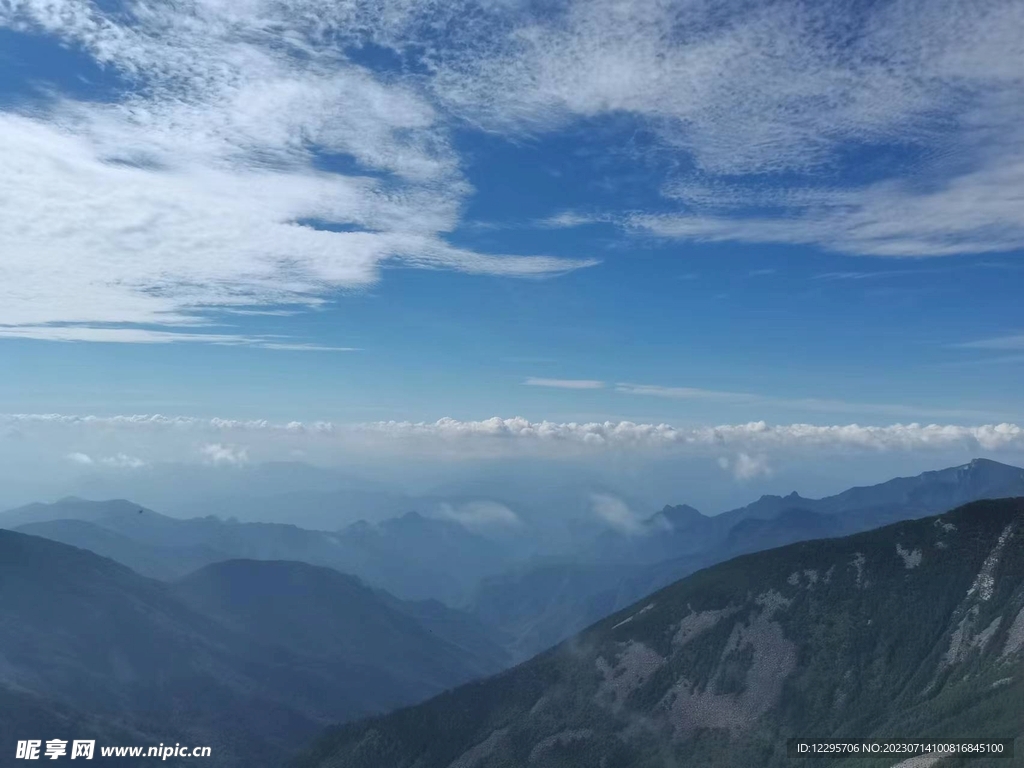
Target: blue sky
672 212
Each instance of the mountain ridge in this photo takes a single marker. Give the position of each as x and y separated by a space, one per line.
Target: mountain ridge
410 556
82 633
622 567
724 665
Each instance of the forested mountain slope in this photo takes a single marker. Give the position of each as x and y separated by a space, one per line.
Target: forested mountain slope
912 630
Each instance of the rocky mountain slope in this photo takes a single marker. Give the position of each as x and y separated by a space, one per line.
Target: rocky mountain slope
915 630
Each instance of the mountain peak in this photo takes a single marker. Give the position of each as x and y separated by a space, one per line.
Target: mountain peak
984 473
677 516
989 465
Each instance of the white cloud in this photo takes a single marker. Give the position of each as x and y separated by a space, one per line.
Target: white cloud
123 461
200 189
303 347
686 393
747 467
564 383
833 276
480 514
173 438
474 435
999 342
195 190
571 219
217 453
751 94
744 89
592 432
118 461
149 336
617 514
626 434
971 213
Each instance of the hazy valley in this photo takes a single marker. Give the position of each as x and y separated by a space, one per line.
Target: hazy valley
288 630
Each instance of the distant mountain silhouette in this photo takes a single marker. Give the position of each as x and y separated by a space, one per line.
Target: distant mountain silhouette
248 657
160 562
529 605
68 508
412 556
537 607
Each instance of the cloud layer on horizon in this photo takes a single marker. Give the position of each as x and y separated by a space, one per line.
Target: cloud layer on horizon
743 449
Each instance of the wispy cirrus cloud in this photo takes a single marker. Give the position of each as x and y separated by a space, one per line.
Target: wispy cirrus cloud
834 276
1013 341
130 335
770 102
205 177
203 180
686 393
564 383
820 405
